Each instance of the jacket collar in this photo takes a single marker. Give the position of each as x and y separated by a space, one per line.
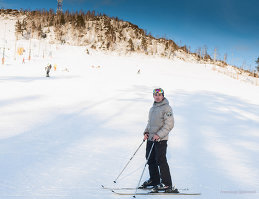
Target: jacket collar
163 102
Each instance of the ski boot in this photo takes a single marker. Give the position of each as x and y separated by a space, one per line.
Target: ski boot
163 187
171 189
148 183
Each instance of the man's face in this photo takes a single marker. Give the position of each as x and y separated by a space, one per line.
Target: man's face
158 97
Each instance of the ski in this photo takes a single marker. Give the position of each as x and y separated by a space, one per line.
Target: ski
159 193
132 188
124 188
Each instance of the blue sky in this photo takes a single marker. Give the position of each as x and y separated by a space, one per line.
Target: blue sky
231 26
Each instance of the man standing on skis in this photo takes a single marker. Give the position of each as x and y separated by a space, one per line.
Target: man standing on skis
160 123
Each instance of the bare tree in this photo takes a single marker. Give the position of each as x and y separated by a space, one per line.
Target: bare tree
225 57
204 52
215 54
257 61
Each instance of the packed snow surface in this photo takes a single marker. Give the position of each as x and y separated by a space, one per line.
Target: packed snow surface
66 135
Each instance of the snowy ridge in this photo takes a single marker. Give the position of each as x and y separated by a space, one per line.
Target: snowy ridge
127 39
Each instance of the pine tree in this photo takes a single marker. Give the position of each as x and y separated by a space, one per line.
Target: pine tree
131 45
18 28
144 43
51 21
33 26
80 23
24 24
62 19
39 29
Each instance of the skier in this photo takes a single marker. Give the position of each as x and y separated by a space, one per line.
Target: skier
47 68
160 123
55 67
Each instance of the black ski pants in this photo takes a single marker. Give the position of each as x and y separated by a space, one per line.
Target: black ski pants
158 166
47 73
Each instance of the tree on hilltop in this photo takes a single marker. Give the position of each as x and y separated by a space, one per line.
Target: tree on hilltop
131 45
257 61
18 28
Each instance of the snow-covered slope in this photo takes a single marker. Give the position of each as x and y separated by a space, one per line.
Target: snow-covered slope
36 34
65 136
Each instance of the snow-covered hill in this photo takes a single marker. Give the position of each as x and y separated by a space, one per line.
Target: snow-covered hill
65 136
36 33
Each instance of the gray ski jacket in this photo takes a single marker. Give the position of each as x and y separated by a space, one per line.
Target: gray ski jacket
160 120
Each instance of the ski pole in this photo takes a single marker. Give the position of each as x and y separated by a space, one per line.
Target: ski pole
129 161
144 169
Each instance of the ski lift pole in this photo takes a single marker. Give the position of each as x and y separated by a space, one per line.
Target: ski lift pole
144 169
129 161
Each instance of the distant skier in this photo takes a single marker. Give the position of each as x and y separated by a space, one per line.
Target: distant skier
48 68
55 67
160 123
